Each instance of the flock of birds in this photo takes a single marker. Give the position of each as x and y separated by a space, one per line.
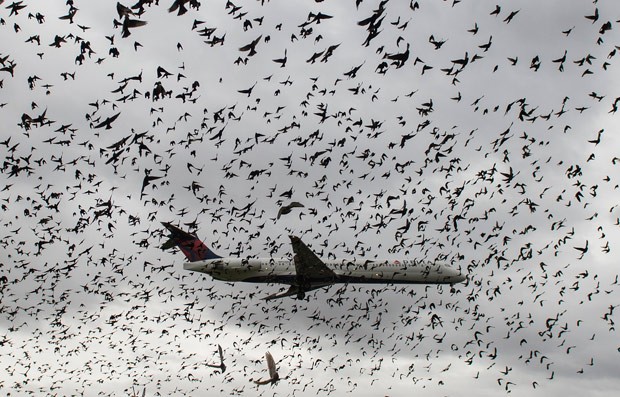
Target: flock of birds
446 131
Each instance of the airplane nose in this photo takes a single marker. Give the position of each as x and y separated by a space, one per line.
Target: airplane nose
456 276
459 278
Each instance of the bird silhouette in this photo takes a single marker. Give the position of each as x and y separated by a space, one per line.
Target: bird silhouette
148 178
284 210
129 23
251 47
107 123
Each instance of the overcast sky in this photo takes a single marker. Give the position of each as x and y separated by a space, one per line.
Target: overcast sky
480 135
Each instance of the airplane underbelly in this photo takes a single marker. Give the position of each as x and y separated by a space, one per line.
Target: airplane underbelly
384 276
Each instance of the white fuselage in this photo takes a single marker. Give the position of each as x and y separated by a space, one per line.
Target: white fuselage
282 270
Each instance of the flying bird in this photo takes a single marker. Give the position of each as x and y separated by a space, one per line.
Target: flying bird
107 123
129 23
273 373
221 365
15 7
180 6
251 47
123 11
148 178
288 208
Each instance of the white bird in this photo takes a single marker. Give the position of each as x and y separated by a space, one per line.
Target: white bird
273 373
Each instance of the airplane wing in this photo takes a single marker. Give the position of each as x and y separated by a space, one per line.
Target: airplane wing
311 272
307 265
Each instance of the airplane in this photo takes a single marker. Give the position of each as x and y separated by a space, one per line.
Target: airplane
306 272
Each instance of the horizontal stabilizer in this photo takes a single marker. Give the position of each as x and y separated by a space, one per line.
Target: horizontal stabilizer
293 290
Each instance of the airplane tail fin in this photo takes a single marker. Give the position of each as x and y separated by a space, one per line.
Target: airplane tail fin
189 244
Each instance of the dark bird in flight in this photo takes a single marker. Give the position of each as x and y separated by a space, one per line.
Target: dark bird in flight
135 394
282 61
474 30
510 16
123 11
70 15
593 17
161 72
247 91
58 40
129 23
582 250
251 47
147 180
314 18
15 7
288 208
180 6
107 123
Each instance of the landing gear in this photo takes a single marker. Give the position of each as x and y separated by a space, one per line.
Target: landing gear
301 295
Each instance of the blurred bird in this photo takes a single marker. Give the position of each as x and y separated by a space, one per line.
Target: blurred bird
129 23
251 47
147 181
288 208
221 365
273 373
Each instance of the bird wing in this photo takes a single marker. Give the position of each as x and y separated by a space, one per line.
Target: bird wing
174 6
271 365
134 23
219 349
123 10
251 45
108 121
111 119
